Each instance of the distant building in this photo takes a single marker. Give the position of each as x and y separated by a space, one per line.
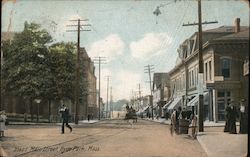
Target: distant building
161 92
145 108
224 51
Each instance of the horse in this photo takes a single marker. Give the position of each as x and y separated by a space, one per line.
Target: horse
131 116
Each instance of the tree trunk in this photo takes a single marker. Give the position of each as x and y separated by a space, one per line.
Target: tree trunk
31 109
49 110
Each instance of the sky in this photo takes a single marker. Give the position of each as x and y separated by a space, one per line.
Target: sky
126 32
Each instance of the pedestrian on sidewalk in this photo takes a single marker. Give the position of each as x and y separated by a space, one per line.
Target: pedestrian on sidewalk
194 125
3 119
243 118
65 118
232 118
88 117
227 116
173 122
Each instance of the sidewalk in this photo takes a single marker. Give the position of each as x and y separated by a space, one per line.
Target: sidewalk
35 123
217 143
88 122
220 144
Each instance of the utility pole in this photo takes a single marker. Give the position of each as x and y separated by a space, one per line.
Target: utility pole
111 103
139 91
108 77
77 88
200 58
148 69
139 97
100 61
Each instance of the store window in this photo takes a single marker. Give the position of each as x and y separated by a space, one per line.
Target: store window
210 70
223 98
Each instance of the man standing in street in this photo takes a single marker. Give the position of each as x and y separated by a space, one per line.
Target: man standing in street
65 117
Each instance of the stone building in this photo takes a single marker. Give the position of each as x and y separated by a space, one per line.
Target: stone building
224 51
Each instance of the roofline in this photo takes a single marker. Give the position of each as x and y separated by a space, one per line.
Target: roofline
204 46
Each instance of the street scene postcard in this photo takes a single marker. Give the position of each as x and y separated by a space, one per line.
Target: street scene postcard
124 78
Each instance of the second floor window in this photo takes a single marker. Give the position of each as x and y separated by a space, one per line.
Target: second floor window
225 67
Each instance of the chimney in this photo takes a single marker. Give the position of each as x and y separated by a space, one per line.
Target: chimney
237 25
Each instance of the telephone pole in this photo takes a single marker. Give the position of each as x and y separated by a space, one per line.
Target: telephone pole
77 88
200 58
99 60
108 77
148 69
111 103
139 96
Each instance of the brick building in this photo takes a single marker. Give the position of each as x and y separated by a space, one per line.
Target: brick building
225 49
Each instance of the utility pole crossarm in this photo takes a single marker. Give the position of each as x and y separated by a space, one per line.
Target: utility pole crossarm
80 20
204 23
77 31
79 25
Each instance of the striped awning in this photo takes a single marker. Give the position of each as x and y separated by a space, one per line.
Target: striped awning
175 104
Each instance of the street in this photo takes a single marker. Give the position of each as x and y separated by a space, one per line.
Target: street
104 139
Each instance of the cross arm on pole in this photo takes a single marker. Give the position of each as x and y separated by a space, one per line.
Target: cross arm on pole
80 20
78 25
203 23
77 30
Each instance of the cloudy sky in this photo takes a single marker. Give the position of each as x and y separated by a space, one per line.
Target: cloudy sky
126 32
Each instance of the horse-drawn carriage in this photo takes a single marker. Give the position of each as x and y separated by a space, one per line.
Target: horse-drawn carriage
131 114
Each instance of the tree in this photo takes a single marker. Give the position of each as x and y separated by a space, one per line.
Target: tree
61 62
35 69
24 71
62 67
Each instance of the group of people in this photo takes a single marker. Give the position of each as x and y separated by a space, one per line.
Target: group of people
175 120
232 112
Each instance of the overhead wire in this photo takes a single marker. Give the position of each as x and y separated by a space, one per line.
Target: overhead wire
175 34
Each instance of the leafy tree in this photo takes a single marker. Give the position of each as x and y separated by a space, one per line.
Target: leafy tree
62 67
24 71
33 68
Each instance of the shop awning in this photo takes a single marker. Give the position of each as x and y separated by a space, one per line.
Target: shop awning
193 101
142 110
166 105
176 103
145 108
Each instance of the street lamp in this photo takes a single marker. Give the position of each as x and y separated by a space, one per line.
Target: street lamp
38 102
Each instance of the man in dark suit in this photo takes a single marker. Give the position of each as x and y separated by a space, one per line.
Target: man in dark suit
232 117
65 117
